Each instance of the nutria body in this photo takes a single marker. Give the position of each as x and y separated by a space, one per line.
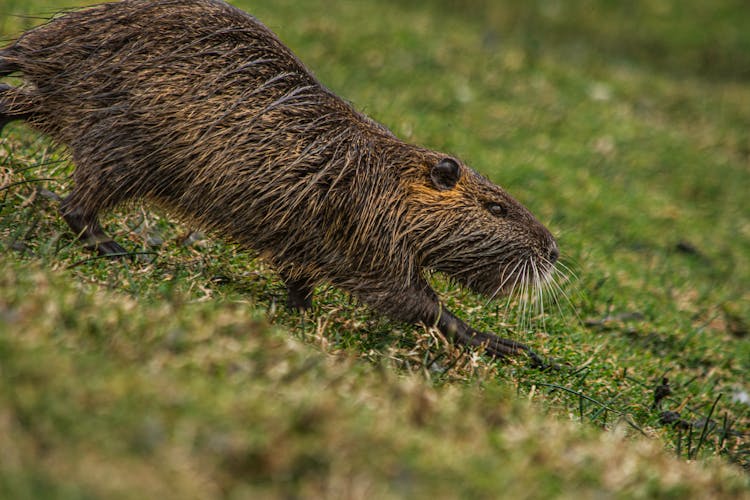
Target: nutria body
198 107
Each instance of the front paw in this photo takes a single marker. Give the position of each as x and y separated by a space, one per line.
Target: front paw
500 347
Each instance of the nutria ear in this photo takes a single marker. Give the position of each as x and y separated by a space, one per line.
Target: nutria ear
445 174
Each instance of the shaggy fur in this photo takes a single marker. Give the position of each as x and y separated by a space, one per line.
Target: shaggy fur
199 108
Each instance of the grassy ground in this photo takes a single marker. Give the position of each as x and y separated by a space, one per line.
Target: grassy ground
622 127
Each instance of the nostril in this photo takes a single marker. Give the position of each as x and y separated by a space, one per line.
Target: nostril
554 254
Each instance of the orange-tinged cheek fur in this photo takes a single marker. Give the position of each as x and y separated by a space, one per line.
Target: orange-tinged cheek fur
427 196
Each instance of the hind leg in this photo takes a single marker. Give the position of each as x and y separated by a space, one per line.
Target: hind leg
85 224
15 105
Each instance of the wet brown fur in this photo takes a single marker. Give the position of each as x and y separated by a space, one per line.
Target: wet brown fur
199 108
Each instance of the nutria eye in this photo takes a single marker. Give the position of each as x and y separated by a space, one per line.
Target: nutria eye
497 209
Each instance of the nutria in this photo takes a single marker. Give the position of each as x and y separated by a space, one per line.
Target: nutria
199 108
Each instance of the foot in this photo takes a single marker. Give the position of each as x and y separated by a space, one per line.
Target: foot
495 346
298 294
499 347
89 231
108 248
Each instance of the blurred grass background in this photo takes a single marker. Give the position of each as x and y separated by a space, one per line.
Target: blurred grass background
622 125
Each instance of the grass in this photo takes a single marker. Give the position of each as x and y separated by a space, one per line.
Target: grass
624 127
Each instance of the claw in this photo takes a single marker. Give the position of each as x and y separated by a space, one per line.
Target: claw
500 347
110 248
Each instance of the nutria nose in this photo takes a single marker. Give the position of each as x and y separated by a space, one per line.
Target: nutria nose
554 253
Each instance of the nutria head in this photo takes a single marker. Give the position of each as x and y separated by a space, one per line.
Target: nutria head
475 232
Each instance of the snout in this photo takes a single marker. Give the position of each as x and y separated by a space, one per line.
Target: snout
553 253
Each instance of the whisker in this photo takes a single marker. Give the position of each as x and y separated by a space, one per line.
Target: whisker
565 295
567 270
540 294
549 284
525 298
550 287
512 292
504 281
